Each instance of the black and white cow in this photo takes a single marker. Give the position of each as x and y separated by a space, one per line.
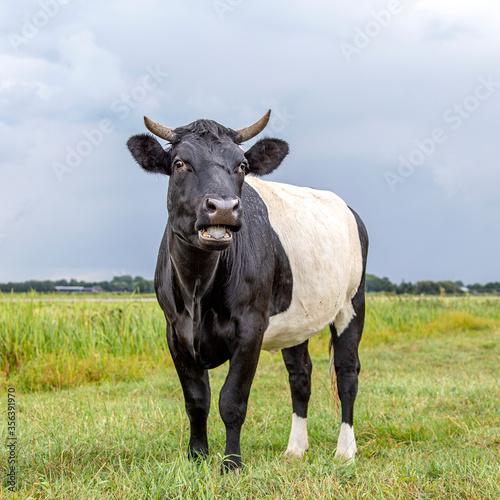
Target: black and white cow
247 264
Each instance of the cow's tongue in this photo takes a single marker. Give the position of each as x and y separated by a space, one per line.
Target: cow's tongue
216 231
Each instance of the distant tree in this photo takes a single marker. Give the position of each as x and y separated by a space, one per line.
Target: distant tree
122 284
493 286
104 285
127 279
450 288
428 288
141 285
375 284
118 284
405 288
475 286
144 286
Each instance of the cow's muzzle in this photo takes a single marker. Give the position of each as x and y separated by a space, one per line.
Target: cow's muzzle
218 219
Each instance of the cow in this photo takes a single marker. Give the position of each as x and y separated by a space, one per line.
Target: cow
247 264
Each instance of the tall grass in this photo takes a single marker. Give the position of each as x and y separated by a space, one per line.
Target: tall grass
393 319
389 319
47 344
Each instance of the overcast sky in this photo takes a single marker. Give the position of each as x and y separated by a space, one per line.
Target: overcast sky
394 105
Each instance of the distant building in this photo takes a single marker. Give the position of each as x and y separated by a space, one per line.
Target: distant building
78 289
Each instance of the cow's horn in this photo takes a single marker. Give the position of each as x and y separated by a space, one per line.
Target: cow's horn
159 130
245 134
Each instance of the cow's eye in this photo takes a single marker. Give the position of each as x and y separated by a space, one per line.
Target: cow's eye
179 164
242 167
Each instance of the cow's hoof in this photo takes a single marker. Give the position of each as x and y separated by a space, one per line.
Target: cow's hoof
347 455
346 445
197 455
295 453
231 464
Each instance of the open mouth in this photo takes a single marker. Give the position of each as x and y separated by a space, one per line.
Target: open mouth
215 234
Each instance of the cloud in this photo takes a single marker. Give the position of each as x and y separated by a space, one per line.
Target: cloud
459 8
351 121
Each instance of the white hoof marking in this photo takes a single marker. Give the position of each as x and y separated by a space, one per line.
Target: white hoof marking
297 444
346 445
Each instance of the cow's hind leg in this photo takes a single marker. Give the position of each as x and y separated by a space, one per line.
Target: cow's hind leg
299 366
345 341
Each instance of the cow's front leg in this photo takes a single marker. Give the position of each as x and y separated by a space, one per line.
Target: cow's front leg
196 388
233 400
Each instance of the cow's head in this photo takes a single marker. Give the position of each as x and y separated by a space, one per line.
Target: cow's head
207 168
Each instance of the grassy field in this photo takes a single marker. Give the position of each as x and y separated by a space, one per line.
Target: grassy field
100 411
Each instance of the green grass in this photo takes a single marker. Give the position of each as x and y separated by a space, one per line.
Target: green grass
46 344
427 416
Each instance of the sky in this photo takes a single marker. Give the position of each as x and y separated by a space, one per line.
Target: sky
393 105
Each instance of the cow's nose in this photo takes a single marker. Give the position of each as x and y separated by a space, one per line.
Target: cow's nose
223 211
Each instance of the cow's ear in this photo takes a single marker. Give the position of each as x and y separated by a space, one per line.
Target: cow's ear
266 155
149 154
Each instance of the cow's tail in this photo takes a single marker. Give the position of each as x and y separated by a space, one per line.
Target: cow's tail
334 393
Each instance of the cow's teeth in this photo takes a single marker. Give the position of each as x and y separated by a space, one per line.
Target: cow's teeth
217 232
